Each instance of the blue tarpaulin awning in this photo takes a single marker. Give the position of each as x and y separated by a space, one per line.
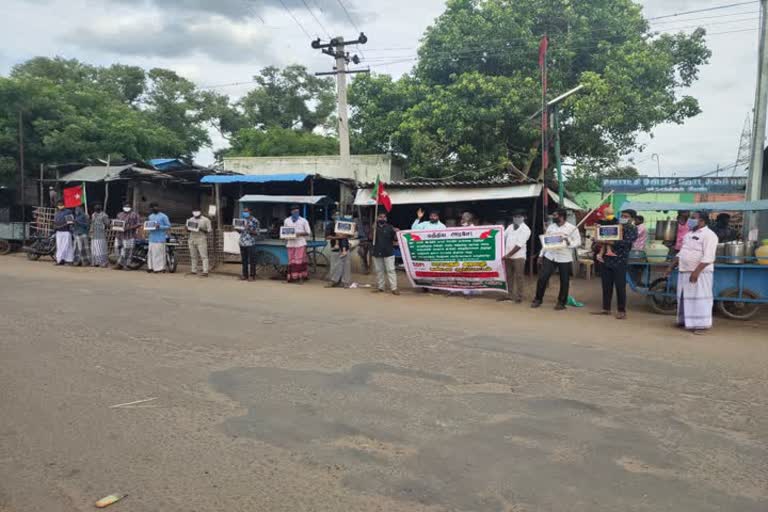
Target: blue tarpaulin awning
255 178
718 206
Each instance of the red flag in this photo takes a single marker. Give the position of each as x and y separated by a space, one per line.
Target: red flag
543 47
73 196
380 195
597 215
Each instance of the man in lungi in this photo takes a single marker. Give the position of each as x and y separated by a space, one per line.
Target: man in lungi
157 238
695 279
298 262
125 240
99 248
80 232
62 224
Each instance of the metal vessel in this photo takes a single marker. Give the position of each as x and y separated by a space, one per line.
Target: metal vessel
666 230
736 252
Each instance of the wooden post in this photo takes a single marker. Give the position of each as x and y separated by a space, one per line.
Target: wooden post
217 193
42 185
532 248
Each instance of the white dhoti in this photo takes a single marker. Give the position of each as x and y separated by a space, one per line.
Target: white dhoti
156 256
695 301
65 249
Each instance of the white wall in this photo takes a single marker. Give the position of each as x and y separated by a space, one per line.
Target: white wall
367 167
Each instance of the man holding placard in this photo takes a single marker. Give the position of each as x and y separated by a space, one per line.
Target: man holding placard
158 225
298 262
613 271
126 227
198 227
558 243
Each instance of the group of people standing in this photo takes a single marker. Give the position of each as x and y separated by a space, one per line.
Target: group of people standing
83 241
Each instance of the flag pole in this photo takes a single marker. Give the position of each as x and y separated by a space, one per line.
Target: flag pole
375 220
85 199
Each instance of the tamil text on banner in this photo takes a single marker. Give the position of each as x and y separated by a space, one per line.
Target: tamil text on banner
453 259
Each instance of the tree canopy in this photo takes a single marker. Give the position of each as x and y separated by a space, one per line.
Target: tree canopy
465 108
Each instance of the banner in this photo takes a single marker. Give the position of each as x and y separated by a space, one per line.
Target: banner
455 259
676 185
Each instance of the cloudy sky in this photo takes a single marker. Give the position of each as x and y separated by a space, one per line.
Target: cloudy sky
215 42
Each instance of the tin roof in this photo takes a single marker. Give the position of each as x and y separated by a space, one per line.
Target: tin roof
426 183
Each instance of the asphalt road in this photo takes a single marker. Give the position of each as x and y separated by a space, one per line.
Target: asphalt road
277 397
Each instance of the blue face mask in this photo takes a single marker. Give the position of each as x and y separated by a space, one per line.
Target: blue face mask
245 215
295 216
693 223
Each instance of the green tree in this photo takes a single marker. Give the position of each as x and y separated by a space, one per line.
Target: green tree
280 142
465 109
588 176
289 98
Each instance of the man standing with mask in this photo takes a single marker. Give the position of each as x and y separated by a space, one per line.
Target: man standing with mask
298 262
198 242
613 271
384 255
80 231
248 238
557 259
695 278
157 239
126 239
516 238
99 225
62 224
432 223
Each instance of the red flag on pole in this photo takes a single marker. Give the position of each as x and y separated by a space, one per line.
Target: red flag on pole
543 47
380 195
73 196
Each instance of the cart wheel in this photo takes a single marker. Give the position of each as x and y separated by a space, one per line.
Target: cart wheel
5 246
318 259
660 304
738 310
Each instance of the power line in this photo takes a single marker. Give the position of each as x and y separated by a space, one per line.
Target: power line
295 19
352 21
708 9
316 18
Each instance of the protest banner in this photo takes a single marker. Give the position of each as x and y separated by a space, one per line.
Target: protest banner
455 259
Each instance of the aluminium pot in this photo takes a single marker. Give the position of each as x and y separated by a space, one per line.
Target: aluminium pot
736 252
666 230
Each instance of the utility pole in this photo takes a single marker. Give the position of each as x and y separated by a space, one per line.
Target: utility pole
21 171
335 48
656 157
754 183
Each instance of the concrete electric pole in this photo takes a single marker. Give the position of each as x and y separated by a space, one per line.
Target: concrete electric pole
335 48
754 183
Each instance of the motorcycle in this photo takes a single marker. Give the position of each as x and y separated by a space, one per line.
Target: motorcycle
42 245
141 249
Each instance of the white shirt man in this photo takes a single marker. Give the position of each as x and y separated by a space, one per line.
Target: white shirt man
557 259
695 279
516 238
298 262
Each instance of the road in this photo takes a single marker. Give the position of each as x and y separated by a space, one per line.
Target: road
278 397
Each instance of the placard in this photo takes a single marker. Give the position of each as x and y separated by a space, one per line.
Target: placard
118 226
553 242
150 225
287 233
70 219
610 232
344 227
193 225
455 259
238 224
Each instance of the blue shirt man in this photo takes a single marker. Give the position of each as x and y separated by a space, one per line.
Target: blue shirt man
156 257
432 223
158 236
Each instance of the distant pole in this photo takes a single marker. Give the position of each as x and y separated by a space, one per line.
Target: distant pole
21 171
341 86
754 187
656 157
42 185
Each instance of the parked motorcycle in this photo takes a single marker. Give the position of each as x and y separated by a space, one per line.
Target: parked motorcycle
41 245
141 249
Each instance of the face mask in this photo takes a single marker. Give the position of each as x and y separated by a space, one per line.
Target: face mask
382 222
295 216
245 215
196 214
433 221
693 223
517 221
126 209
623 221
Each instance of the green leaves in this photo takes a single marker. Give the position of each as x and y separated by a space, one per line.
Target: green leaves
280 142
465 109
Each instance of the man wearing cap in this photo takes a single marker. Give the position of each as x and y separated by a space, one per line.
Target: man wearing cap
298 262
516 238
695 278
613 271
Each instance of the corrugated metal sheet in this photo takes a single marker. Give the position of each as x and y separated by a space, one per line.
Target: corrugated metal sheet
96 173
491 182
567 202
433 195
260 198
255 178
